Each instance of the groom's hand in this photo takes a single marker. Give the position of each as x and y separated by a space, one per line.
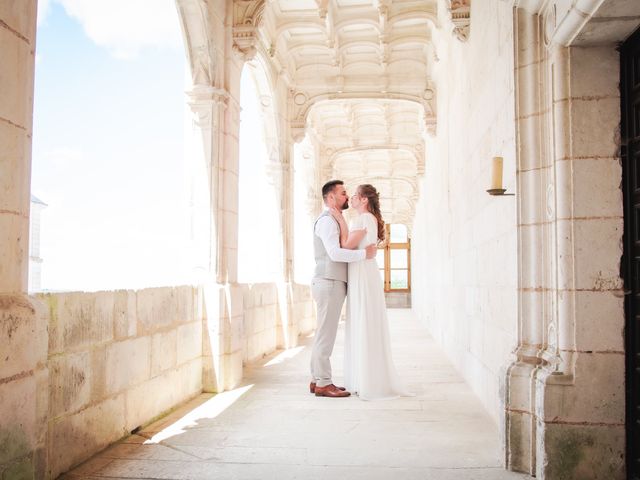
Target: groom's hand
371 250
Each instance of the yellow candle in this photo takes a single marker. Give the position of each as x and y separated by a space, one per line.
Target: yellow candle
496 173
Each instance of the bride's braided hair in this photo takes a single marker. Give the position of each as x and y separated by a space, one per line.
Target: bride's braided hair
372 194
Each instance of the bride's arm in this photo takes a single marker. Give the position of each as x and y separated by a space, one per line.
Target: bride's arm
348 239
353 240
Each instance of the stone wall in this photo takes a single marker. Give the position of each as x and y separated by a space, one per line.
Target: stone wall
565 391
116 361
581 416
261 319
264 331
464 241
304 310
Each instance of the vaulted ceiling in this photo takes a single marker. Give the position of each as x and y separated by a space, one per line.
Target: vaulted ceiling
359 76
373 141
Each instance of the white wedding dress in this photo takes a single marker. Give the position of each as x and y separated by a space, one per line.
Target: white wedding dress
369 371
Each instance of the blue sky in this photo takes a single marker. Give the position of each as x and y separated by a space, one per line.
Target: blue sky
108 154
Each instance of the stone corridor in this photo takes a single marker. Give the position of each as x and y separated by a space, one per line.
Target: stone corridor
272 428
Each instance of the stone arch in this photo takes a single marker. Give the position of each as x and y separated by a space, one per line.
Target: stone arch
306 105
265 87
257 79
431 18
199 47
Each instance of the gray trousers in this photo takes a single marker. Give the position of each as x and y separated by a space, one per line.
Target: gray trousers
329 296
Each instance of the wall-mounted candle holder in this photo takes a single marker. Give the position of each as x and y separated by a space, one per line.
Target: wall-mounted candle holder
496 178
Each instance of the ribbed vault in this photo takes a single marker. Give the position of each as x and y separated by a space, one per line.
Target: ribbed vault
373 141
358 77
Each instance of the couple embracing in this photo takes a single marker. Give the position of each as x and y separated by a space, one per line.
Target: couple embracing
346 268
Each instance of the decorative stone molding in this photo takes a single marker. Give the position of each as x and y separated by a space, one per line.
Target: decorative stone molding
196 30
558 357
461 17
562 22
275 170
323 8
247 16
301 110
201 101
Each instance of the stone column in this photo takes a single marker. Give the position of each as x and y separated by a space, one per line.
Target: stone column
280 175
214 199
208 105
23 331
520 422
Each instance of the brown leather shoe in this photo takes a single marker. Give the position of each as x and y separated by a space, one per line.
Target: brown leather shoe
331 391
312 387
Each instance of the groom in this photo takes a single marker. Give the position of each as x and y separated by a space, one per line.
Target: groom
329 287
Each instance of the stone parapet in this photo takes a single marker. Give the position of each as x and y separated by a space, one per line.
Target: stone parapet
116 361
263 328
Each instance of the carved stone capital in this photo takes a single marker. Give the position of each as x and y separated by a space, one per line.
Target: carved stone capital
312 202
298 131
461 17
244 42
247 17
274 173
204 102
206 94
323 8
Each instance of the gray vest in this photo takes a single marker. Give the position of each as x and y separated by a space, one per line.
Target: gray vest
325 267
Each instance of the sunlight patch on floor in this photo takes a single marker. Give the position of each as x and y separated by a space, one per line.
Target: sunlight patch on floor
210 409
285 355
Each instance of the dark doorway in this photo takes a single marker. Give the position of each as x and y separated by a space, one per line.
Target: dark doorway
630 152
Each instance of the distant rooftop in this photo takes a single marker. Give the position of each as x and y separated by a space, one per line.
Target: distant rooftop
35 199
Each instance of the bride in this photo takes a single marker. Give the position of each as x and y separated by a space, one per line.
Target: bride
368 367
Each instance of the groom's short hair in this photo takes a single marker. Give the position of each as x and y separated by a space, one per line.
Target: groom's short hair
328 187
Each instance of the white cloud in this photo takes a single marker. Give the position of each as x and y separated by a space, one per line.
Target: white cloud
124 27
43 10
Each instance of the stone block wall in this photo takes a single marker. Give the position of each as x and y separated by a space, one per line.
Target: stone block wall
581 416
264 331
113 361
116 361
222 336
261 320
464 241
304 310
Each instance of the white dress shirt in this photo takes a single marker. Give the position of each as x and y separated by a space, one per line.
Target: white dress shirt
329 233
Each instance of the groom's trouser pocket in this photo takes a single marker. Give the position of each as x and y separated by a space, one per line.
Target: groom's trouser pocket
321 288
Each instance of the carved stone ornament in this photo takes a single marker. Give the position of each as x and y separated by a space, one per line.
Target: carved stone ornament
461 18
323 8
274 170
197 34
549 22
298 131
205 102
247 16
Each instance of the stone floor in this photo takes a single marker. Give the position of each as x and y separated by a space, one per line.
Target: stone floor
272 428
